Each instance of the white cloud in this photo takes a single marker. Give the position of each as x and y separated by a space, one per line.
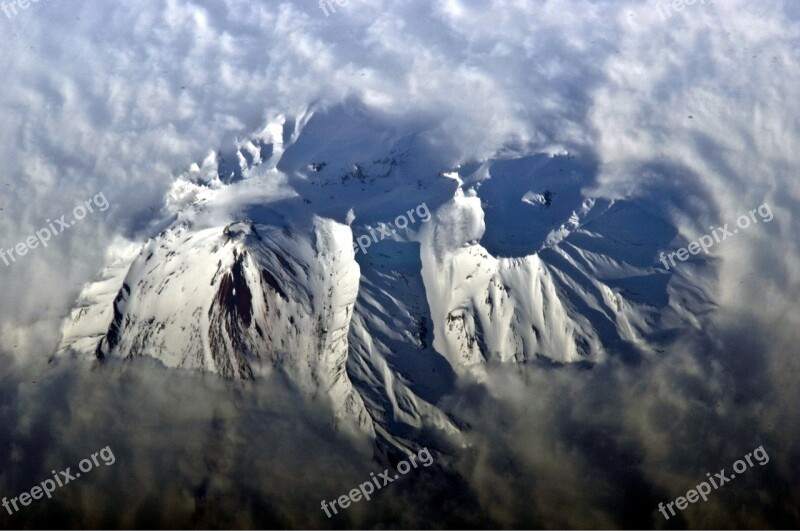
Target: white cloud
697 113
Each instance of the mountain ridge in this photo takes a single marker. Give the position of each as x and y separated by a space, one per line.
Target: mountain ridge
258 272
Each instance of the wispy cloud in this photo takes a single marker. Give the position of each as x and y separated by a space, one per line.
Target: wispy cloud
696 114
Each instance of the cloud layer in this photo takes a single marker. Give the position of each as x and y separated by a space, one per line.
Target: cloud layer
695 113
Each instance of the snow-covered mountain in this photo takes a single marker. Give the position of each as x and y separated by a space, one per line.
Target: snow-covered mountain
255 267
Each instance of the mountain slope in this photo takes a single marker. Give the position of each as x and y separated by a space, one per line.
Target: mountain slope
263 267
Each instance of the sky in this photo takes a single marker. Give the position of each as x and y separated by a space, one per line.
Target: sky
692 111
